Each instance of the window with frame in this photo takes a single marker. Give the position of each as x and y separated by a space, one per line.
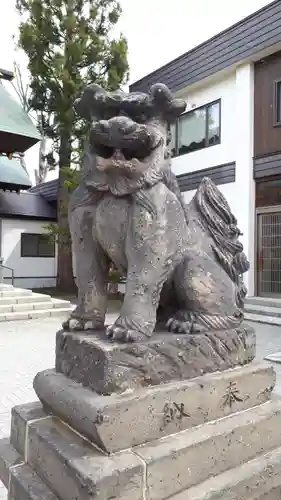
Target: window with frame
37 245
277 103
197 129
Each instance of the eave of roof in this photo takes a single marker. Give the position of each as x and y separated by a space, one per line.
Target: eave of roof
48 190
17 132
240 42
26 206
12 176
6 75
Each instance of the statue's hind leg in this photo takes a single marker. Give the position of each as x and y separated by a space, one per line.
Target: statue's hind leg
206 296
91 267
185 321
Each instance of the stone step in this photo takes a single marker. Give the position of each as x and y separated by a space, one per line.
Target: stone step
259 318
21 304
263 301
15 292
30 306
5 287
74 469
263 310
35 314
258 479
25 299
181 461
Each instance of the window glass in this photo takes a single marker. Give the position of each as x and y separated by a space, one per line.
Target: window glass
37 245
213 124
268 193
197 129
192 131
29 244
278 102
46 247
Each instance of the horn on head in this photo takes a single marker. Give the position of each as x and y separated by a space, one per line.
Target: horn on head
163 100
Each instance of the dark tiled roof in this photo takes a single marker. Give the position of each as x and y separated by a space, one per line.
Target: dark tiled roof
48 190
241 42
25 206
12 175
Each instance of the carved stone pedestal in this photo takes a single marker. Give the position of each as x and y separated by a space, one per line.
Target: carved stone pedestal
108 367
214 436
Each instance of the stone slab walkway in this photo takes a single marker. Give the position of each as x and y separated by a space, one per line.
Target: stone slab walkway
27 347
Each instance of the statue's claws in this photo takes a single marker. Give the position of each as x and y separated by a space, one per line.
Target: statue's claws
78 324
123 334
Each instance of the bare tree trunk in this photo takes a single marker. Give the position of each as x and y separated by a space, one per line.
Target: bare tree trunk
41 173
22 162
65 279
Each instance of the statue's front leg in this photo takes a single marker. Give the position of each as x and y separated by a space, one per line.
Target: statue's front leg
91 267
155 241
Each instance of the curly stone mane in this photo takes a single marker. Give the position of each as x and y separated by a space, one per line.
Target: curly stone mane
218 219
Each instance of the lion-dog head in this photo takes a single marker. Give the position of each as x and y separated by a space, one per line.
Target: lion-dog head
128 136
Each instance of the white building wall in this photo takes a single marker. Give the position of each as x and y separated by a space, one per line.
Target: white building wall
244 183
236 94
29 272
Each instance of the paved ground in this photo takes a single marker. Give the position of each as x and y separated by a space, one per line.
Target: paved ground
27 347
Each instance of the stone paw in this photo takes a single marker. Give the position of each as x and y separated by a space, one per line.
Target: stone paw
125 330
183 323
176 326
75 324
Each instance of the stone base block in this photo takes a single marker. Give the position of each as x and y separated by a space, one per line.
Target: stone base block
74 469
9 459
59 463
125 420
274 494
237 458
107 367
259 479
25 484
22 416
189 458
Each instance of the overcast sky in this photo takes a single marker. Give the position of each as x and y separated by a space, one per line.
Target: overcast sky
157 30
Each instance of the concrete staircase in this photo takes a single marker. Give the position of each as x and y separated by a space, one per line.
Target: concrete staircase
22 304
263 310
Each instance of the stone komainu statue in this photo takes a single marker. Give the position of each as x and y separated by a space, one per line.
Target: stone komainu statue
183 263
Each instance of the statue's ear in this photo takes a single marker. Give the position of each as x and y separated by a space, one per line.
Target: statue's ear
81 110
164 102
96 103
87 105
